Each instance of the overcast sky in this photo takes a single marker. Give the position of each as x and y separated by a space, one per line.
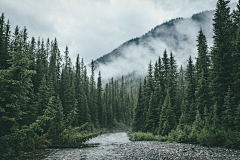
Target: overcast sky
93 28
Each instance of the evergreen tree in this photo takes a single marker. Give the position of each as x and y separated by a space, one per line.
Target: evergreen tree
99 100
166 66
152 118
236 53
4 43
203 61
166 121
15 83
229 110
93 95
220 54
190 78
138 122
202 74
181 91
202 94
43 96
172 87
122 102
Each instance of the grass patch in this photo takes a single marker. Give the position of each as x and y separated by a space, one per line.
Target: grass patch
140 136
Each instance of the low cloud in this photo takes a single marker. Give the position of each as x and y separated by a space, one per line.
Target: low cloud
93 28
135 58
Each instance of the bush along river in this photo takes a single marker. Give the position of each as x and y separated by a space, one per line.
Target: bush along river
118 146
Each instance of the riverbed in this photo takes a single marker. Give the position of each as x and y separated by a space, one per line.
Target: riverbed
117 146
106 145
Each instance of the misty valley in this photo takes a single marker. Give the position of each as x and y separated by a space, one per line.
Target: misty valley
173 93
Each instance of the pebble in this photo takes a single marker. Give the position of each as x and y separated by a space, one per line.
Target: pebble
117 146
175 151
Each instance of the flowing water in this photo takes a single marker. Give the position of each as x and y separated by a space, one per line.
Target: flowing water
117 146
105 149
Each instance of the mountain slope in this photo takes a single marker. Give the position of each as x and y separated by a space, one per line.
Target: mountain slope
177 36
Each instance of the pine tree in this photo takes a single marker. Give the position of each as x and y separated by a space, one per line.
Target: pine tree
229 110
3 60
152 118
202 74
190 110
56 114
15 83
93 95
220 54
122 102
202 94
55 65
190 78
99 99
166 67
172 87
138 122
67 92
4 43
181 91
166 121
236 53
203 61
43 96
79 93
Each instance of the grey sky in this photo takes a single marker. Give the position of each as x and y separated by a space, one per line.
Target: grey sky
93 28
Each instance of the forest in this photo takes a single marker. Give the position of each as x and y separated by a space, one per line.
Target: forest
199 104
46 101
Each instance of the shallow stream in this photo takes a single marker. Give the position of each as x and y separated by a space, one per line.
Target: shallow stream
106 149
117 146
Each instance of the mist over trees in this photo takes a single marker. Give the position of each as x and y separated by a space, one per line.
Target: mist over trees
201 103
47 101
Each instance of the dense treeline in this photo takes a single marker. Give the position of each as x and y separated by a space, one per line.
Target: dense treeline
44 98
199 104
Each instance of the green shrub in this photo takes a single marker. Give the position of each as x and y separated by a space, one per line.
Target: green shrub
140 136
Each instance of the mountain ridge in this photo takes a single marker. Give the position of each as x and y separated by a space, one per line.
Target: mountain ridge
178 36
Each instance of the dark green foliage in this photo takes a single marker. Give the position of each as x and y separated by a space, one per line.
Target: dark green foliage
15 84
221 53
100 101
190 78
166 122
4 43
206 94
138 123
236 53
93 98
237 118
152 118
229 110
42 107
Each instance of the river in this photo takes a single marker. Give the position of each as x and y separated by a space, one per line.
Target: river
106 149
117 146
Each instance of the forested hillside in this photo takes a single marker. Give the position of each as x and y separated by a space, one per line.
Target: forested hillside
46 101
202 103
177 35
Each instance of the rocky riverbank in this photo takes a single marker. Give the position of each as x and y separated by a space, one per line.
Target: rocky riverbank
177 151
118 147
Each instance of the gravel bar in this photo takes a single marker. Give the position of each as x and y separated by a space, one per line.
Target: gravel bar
173 151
